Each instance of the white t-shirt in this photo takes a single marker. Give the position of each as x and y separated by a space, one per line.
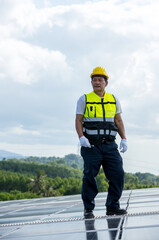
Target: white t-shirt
81 105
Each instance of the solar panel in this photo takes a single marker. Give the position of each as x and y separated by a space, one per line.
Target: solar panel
62 217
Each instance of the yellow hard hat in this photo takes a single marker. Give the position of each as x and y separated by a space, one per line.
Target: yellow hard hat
99 71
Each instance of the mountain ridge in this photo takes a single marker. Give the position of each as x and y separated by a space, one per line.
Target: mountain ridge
8 155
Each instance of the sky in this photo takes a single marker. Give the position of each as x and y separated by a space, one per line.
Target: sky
48 50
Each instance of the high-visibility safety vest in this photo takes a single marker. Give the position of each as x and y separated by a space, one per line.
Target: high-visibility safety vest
98 119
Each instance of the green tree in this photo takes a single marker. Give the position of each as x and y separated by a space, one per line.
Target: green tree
38 183
102 183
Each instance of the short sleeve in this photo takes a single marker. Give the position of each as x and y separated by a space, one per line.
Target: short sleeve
81 105
118 106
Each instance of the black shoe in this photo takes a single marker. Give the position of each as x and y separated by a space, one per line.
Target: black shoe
115 211
88 214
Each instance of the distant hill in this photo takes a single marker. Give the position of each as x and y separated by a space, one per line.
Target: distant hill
71 160
8 155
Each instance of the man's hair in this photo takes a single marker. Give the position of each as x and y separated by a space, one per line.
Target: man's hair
99 75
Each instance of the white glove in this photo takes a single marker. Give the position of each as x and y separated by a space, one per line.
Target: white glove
84 142
123 145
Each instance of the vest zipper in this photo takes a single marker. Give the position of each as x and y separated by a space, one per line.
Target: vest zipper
103 115
103 109
95 112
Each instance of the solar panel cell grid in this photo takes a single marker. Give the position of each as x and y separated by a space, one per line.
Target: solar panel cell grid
61 217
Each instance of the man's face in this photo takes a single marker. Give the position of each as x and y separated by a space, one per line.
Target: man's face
99 84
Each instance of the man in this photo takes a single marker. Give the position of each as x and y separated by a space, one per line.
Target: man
98 119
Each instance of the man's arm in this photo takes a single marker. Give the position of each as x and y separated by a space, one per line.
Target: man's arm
84 142
79 124
119 123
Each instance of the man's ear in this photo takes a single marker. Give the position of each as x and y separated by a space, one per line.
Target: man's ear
106 83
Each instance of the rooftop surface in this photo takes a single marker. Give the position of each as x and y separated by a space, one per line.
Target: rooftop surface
57 218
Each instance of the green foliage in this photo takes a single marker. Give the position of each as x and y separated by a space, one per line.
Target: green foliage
14 195
52 169
74 159
140 180
20 179
41 185
11 180
70 186
102 182
68 160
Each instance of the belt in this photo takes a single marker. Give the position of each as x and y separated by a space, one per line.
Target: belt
105 141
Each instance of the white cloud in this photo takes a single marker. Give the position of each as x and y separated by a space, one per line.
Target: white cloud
116 16
26 63
138 75
125 17
18 15
18 130
157 119
51 49
142 155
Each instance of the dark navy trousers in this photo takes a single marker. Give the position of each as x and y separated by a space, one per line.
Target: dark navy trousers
108 156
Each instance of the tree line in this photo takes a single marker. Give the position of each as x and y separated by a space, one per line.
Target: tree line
72 160
21 179
52 169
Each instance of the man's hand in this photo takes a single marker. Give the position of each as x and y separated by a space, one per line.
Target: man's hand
84 142
123 145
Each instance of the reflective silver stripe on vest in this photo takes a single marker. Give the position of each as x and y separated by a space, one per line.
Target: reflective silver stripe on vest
101 132
97 119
